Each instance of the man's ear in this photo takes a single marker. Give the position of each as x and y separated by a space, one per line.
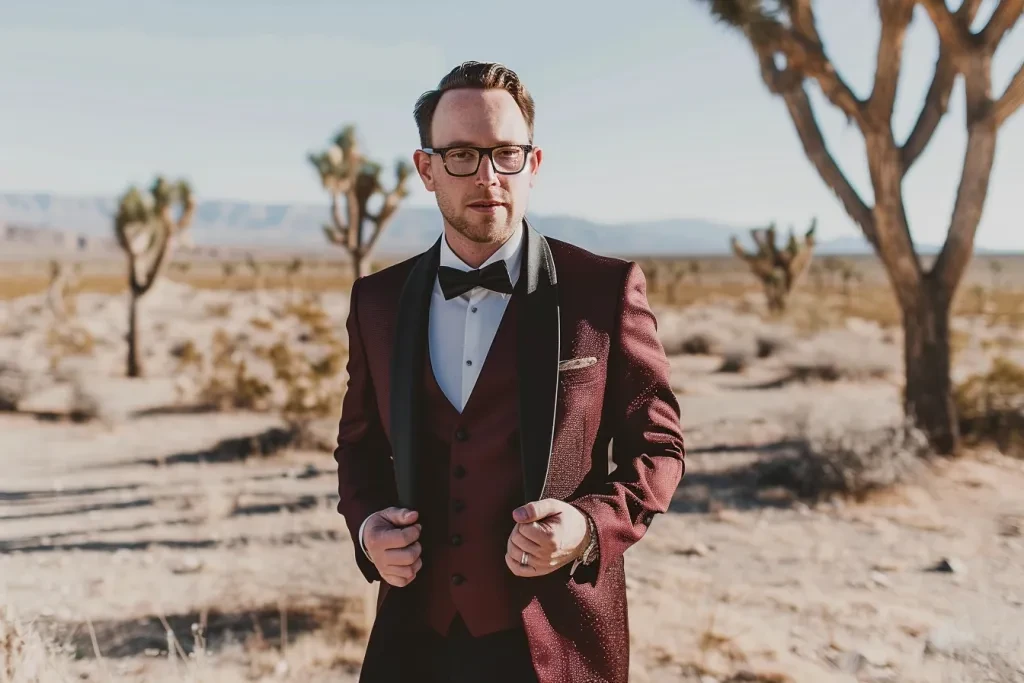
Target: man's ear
422 161
538 156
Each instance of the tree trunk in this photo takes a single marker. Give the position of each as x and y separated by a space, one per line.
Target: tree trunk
134 363
775 293
928 398
361 264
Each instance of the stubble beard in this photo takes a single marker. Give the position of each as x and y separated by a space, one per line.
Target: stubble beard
481 229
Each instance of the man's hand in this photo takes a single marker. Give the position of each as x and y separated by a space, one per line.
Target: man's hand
392 542
552 533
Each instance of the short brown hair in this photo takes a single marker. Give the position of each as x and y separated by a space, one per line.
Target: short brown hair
480 75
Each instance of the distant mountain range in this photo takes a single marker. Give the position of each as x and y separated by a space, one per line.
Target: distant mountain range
297 227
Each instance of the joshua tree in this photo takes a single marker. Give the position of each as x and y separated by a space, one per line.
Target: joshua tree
695 270
996 268
778 269
146 230
257 271
849 274
789 50
345 172
64 282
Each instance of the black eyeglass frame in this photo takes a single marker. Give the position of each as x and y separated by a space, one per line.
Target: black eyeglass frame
482 152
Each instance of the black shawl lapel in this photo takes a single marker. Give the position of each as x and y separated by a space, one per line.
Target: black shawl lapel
538 350
407 371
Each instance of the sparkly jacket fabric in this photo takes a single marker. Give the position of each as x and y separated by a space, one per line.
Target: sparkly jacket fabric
573 306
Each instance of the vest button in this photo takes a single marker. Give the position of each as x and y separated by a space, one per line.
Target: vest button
461 434
459 506
456 540
458 579
459 471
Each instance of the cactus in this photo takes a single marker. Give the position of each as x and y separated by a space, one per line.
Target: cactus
778 269
345 172
147 231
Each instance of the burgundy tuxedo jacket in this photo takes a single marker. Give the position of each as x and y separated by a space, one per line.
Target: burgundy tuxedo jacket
576 305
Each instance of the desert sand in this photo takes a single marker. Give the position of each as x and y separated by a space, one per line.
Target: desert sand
127 507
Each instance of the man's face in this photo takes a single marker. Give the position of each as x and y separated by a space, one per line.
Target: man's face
487 206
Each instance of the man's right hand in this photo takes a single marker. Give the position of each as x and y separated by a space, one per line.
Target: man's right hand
391 538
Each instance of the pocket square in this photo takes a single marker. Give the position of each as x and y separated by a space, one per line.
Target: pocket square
574 363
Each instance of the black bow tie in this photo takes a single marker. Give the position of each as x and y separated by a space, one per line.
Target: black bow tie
455 282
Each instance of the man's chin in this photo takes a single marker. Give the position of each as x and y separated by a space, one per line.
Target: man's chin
485 229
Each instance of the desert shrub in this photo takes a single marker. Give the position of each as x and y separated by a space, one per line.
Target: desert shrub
218 310
772 341
849 462
66 340
837 355
990 406
298 371
261 323
228 382
187 354
738 354
14 385
734 361
701 343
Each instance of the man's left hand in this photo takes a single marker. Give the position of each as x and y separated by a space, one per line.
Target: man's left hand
551 532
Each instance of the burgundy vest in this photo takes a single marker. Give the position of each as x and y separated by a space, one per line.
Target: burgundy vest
470 480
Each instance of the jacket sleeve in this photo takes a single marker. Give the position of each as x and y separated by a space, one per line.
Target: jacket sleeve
643 415
366 476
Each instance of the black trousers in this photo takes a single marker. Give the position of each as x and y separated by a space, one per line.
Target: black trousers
459 657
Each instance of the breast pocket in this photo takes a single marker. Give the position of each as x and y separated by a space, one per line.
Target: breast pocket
580 371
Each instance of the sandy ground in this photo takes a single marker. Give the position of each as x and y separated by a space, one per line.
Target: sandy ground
167 517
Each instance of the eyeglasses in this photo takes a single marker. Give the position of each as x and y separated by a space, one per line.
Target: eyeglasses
464 160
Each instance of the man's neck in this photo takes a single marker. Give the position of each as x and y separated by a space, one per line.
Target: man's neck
473 254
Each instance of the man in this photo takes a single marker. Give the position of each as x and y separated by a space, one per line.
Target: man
487 378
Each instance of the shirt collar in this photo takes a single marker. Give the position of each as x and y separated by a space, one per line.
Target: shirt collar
511 252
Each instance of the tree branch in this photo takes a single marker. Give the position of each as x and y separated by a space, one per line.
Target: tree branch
805 56
953 34
936 101
801 15
1002 20
895 16
790 87
956 253
340 224
1011 100
968 10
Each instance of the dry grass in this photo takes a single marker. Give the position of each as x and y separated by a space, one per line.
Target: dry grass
199 648
991 407
111 278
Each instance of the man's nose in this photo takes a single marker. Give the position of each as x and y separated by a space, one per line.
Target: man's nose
485 173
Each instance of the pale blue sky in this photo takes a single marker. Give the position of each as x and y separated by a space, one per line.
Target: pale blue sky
645 109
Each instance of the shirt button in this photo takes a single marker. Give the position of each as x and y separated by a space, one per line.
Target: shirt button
473 310
459 506
469 362
456 540
458 579
459 471
461 434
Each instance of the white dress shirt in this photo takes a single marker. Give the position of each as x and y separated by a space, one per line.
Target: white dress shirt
461 329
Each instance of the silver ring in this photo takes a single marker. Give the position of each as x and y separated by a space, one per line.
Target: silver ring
523 562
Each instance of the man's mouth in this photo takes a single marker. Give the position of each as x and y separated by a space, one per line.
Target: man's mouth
486 204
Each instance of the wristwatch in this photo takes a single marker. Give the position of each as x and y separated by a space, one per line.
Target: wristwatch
591 552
